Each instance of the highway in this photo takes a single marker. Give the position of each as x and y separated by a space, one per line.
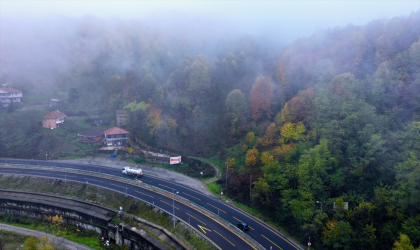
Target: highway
220 235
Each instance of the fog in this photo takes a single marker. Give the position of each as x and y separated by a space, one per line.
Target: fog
290 19
44 39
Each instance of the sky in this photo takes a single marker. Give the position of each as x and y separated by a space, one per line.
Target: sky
291 19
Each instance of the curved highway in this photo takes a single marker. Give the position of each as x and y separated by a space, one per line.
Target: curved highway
220 235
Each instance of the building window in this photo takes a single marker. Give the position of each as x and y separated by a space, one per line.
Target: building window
46 125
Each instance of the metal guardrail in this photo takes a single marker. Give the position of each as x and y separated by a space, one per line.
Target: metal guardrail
180 199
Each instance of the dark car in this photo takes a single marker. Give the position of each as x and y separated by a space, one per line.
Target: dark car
243 226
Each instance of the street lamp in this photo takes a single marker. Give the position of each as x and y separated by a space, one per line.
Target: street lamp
173 204
321 204
227 166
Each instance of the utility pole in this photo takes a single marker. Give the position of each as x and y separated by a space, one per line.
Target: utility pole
250 187
309 243
173 205
227 166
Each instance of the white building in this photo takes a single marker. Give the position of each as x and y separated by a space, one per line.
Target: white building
8 95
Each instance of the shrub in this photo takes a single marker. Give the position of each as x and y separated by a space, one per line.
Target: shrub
139 160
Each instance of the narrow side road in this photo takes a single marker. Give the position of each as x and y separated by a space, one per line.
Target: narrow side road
61 242
218 174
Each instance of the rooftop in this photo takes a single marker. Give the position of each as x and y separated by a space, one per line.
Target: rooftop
116 131
54 115
9 90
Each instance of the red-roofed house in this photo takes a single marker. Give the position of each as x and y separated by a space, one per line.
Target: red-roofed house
116 136
53 119
8 95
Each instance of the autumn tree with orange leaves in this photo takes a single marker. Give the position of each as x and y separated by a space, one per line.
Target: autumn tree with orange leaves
269 136
261 94
298 109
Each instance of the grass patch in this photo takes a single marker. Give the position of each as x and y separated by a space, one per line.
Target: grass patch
214 188
8 237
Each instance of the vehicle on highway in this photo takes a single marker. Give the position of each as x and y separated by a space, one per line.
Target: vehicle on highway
136 172
243 226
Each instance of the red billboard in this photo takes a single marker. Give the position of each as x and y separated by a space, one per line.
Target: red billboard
175 160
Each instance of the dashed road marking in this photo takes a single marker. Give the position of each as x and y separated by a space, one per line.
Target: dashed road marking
191 196
196 218
216 208
143 193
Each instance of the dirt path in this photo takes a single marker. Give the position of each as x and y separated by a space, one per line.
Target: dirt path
59 241
218 173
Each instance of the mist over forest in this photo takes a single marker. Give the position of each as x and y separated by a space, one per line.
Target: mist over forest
333 117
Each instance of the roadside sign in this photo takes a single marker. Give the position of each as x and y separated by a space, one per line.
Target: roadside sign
309 244
175 160
221 193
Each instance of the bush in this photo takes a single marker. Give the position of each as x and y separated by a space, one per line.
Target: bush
139 160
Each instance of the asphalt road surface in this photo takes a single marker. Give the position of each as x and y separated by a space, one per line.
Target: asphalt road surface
224 237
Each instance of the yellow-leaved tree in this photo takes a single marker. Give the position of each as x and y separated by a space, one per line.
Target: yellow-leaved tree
55 223
266 158
251 157
230 163
293 132
250 137
404 244
154 119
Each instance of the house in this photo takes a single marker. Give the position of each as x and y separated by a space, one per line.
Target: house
91 136
121 117
56 102
9 95
53 119
116 136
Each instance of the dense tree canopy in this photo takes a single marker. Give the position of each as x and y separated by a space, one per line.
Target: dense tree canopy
322 136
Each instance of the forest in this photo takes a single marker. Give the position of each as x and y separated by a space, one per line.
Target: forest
321 135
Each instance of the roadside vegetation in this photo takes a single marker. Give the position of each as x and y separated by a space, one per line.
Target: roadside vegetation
69 232
11 240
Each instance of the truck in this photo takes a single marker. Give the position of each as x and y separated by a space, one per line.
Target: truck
136 172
